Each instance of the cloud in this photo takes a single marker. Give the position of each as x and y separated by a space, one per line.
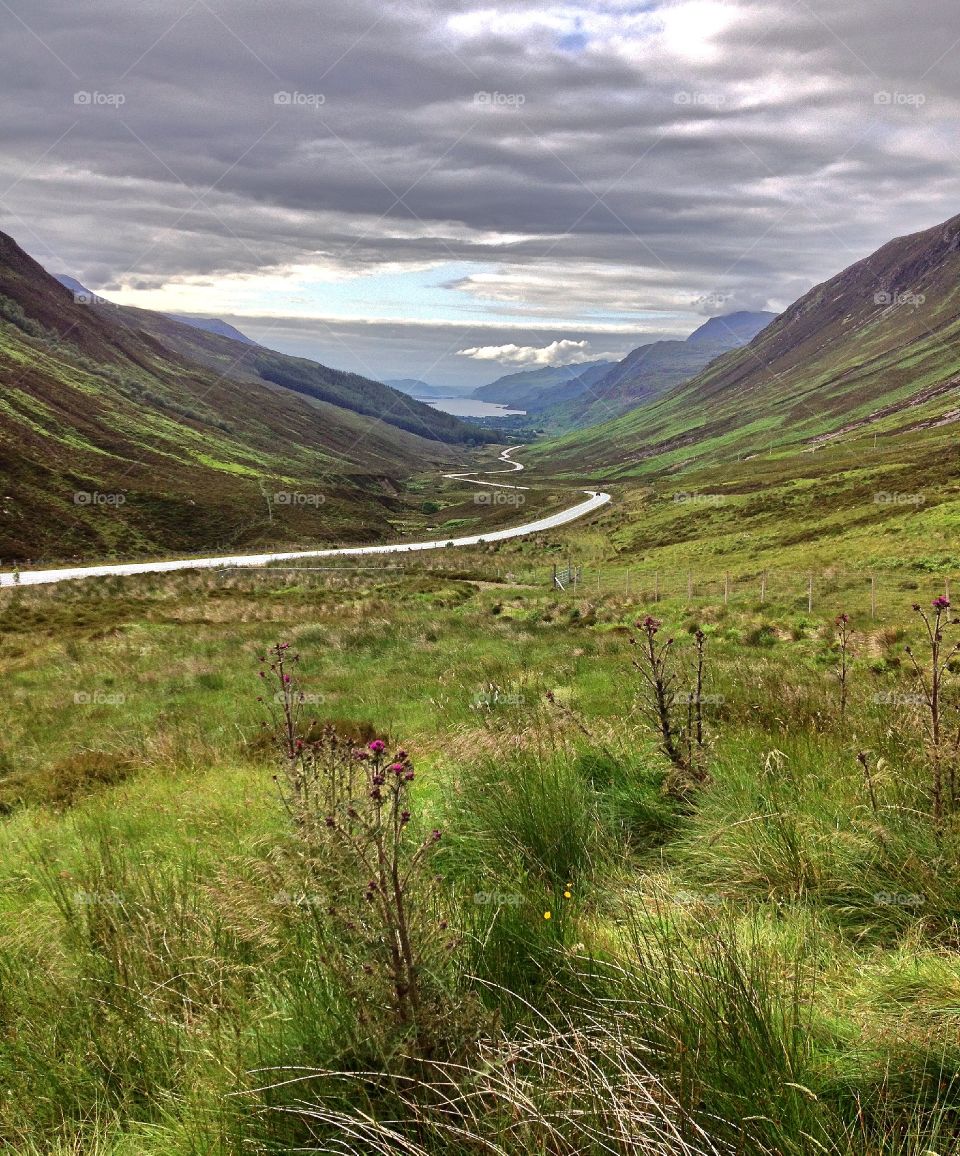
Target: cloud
664 154
556 353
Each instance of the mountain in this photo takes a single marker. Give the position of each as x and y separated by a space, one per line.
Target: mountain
413 387
651 370
526 386
126 432
74 286
874 350
732 329
212 325
209 324
259 365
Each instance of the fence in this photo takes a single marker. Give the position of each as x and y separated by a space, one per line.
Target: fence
884 596
878 595
831 591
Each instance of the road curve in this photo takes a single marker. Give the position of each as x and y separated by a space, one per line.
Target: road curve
595 499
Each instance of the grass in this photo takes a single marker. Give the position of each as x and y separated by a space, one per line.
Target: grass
766 966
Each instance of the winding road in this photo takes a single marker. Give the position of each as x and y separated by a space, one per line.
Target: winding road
595 499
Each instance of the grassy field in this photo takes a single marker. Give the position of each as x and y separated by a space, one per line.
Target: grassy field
753 953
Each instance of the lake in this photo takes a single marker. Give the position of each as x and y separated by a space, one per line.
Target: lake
472 407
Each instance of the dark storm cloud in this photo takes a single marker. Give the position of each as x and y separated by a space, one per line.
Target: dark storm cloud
636 156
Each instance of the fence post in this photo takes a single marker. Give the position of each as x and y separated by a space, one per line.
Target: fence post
810 595
656 587
726 589
873 596
628 584
689 585
763 587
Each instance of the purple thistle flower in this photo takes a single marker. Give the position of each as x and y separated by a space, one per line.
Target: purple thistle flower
377 747
941 603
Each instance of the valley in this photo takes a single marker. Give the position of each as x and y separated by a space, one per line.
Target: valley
393 785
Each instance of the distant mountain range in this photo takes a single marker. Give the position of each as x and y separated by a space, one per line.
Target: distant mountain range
531 388
126 431
212 325
651 370
413 387
875 350
207 324
581 395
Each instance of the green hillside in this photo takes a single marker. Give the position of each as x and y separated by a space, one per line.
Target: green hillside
123 433
651 370
874 351
536 389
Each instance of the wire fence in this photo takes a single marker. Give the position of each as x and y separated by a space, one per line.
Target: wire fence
879 596
831 591
883 595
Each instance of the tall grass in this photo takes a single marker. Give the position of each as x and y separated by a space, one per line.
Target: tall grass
767 965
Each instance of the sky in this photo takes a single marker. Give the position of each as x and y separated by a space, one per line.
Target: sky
451 191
